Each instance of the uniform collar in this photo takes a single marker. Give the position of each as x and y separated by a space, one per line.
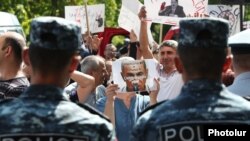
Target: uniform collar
202 85
44 91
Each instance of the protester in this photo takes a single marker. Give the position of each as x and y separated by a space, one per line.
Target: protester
91 43
203 100
240 47
94 66
155 50
170 79
82 87
134 46
110 52
108 76
42 112
123 108
13 80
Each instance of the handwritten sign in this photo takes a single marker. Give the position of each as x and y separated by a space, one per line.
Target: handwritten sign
128 18
163 11
230 13
96 15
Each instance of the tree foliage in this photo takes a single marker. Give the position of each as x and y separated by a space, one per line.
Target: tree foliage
26 10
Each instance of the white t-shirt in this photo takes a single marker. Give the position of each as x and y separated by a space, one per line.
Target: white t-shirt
170 86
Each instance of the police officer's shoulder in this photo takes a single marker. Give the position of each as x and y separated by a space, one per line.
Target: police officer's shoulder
152 107
4 101
93 110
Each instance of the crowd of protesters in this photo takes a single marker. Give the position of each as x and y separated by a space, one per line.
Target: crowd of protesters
59 87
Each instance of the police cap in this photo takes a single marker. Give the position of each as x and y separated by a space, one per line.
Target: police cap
205 32
240 43
55 33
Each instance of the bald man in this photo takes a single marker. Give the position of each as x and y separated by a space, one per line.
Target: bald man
12 79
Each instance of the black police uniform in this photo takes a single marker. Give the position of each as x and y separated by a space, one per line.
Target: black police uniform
204 104
200 103
42 112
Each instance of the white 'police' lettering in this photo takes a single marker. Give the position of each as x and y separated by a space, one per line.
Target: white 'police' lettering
185 133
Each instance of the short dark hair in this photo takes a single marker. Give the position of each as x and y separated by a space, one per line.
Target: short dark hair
91 63
17 46
169 43
49 61
203 61
203 46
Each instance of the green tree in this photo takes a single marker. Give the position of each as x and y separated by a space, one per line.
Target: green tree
26 10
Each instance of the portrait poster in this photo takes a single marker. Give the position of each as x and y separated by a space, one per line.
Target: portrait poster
161 11
96 17
128 18
230 13
135 75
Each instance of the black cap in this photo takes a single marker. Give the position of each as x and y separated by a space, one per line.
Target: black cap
240 43
55 33
205 32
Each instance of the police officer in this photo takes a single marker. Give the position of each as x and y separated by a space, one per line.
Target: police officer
204 101
42 112
240 47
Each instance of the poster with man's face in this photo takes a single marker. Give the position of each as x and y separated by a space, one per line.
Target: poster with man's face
135 75
171 11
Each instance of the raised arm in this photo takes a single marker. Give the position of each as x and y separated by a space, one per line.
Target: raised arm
86 84
134 50
109 105
144 43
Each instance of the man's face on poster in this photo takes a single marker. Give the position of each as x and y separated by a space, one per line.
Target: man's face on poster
174 3
135 75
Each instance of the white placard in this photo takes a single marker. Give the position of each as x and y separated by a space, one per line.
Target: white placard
128 18
191 8
96 17
135 73
230 13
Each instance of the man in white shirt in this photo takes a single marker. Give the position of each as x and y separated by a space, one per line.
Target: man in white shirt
170 79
